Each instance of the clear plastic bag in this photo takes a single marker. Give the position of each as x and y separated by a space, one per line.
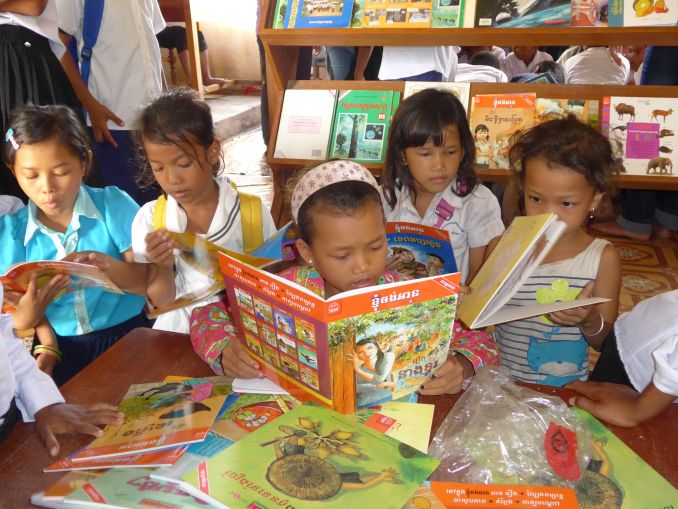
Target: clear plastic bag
497 432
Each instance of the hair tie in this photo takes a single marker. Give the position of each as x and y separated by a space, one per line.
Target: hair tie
327 174
9 136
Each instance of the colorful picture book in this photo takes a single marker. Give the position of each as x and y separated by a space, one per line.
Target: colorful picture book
546 109
305 124
448 13
318 14
522 13
361 124
356 349
496 121
589 13
54 495
643 13
418 250
278 20
160 415
313 458
81 275
461 91
161 458
521 249
642 132
397 13
619 475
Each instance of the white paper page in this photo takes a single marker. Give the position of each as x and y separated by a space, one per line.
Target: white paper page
256 386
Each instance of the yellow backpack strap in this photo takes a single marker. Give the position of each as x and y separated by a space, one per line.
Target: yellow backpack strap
252 222
159 212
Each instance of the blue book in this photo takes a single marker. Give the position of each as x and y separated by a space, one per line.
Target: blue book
318 14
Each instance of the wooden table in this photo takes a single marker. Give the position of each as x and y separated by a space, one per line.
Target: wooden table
145 355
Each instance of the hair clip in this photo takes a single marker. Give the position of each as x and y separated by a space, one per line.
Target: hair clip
9 136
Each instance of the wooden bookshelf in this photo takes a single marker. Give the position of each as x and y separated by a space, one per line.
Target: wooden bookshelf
282 48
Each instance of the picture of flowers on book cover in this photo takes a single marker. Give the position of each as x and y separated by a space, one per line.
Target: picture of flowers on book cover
160 415
312 457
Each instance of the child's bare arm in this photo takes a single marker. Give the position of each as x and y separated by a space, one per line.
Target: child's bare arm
47 353
160 285
619 404
26 7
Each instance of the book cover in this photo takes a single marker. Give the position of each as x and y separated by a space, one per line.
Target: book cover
643 13
617 477
522 13
81 275
361 124
496 121
460 90
424 498
131 488
448 13
642 132
318 14
305 124
278 20
397 13
356 349
418 250
520 250
313 458
55 493
546 109
281 245
589 13
159 415
409 423
456 495
161 458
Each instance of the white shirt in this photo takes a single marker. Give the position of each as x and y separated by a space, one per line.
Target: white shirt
647 340
9 204
497 51
126 68
225 230
467 73
45 25
404 61
596 66
20 376
475 221
512 65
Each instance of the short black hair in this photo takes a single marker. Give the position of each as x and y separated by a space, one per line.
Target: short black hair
485 58
32 124
554 68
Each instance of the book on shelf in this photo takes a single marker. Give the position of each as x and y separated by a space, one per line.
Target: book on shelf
318 14
642 132
160 458
305 124
417 250
448 14
311 457
549 108
642 13
522 13
397 13
81 275
461 91
520 250
589 13
350 351
361 124
496 120
160 415
278 20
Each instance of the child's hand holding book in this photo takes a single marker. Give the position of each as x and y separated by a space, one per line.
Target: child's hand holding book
29 308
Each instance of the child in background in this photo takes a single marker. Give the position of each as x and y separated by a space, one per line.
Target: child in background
48 150
337 209
24 387
429 177
564 167
523 59
642 354
175 135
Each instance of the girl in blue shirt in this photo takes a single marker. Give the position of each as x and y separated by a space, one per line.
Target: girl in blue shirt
48 151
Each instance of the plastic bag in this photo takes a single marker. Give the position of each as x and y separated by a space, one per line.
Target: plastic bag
501 433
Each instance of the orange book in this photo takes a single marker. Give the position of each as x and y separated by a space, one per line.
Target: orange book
454 495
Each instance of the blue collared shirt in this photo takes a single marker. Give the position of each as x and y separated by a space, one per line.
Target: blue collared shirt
101 221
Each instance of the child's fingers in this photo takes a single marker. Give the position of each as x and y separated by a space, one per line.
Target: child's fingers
101 413
50 441
85 428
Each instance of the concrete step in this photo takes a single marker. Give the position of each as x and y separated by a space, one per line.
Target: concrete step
234 114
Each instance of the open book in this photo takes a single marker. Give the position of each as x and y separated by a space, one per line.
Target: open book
356 349
521 249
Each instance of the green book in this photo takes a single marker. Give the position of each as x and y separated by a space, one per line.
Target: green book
311 457
448 14
361 122
278 20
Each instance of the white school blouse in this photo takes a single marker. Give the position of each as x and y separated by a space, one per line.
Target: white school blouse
475 221
225 230
647 340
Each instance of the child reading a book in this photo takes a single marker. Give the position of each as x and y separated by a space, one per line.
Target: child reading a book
23 387
640 353
563 167
429 177
48 150
337 209
176 138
